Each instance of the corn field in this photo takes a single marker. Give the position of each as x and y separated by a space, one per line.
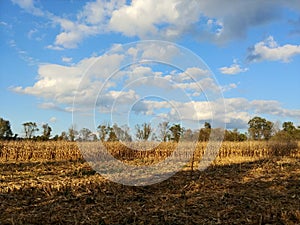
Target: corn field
22 151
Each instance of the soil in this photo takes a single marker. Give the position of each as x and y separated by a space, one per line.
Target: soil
264 191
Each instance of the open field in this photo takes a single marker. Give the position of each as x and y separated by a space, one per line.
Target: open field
50 183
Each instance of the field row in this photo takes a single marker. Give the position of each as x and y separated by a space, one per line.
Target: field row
23 151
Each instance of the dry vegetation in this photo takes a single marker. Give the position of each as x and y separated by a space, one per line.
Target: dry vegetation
248 183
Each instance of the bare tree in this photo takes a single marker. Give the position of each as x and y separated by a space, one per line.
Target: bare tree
85 134
72 133
143 132
164 132
30 128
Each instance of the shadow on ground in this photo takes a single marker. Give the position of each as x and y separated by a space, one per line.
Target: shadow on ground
69 192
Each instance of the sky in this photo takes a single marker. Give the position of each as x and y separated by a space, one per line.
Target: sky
91 62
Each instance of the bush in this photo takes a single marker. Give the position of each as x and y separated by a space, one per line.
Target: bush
282 144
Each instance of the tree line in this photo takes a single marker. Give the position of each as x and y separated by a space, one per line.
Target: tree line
258 129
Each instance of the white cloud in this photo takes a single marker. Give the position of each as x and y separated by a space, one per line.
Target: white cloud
205 20
28 5
238 110
91 20
2 23
61 83
98 11
157 51
58 84
31 33
73 33
235 68
228 87
53 120
192 73
141 18
54 47
49 105
269 50
273 107
244 110
23 54
169 19
67 59
54 106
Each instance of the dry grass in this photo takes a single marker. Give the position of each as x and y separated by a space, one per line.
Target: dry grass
50 183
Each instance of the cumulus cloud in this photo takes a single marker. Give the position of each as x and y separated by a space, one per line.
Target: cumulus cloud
169 19
235 68
108 84
270 50
73 33
238 110
91 20
192 73
205 20
29 6
273 108
143 18
98 82
61 83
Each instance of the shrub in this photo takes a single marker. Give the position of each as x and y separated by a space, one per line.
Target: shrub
282 144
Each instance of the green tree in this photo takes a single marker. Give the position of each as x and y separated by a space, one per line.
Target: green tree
177 131
5 129
260 128
289 127
207 125
63 136
204 133
242 137
46 131
234 135
102 131
30 128
289 130
282 144
112 134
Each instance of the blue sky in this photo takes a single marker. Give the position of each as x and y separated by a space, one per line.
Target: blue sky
52 51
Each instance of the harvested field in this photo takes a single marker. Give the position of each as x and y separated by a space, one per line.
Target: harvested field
238 188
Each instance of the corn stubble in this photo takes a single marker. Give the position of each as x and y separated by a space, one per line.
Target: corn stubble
248 182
